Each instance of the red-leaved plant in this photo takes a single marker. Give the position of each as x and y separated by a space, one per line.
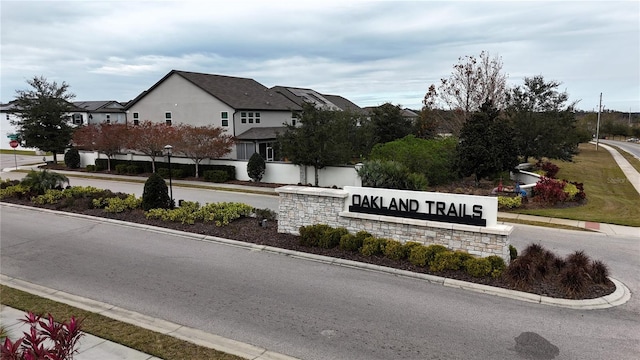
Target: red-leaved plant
45 340
549 191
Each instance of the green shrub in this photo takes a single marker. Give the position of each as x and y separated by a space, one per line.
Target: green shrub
155 194
390 174
40 181
311 235
91 168
497 265
14 191
434 158
513 252
220 214
409 245
265 214
217 176
433 250
373 246
50 196
72 158
256 167
507 202
118 205
177 173
395 250
571 190
133 169
418 255
478 267
445 260
163 172
121 168
463 256
331 238
350 242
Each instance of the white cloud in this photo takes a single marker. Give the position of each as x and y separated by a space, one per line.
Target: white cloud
368 51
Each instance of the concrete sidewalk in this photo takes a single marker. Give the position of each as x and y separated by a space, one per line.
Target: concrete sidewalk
90 347
629 171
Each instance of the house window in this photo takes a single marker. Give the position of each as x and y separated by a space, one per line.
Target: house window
108 116
224 116
136 118
293 121
245 150
167 118
77 119
250 117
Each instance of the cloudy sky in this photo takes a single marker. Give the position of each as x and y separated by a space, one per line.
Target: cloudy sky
370 52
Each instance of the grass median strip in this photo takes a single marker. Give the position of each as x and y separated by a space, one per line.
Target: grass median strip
150 342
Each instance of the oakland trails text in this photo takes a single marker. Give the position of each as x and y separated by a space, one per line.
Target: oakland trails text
459 213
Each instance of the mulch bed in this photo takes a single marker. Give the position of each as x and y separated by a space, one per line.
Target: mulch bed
249 230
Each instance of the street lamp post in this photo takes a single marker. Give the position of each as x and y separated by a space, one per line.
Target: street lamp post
168 149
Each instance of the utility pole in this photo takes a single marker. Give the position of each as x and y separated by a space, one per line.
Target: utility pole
598 125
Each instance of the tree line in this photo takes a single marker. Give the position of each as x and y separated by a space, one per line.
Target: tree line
493 126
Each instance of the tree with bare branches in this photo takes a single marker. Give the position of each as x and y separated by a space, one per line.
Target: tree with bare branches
105 138
472 82
202 142
150 139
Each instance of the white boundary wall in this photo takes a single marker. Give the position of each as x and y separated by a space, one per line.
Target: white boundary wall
304 206
276 172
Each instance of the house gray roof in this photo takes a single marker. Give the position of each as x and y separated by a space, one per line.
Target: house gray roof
99 106
261 133
239 93
343 103
323 101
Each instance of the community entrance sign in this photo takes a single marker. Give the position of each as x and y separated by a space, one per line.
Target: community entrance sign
442 207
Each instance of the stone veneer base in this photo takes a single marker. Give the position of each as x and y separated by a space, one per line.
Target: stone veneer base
304 206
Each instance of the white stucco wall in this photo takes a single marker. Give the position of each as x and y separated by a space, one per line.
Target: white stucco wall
276 172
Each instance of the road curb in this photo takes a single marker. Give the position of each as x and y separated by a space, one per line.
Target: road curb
181 332
621 295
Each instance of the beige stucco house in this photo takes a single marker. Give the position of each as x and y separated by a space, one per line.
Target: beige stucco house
238 105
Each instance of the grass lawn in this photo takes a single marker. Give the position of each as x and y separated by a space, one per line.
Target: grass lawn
20 152
610 196
147 341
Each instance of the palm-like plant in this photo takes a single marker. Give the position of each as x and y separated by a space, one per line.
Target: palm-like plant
41 181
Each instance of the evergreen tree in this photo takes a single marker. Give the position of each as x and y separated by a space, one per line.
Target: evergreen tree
72 158
485 146
155 194
256 167
544 124
43 116
321 139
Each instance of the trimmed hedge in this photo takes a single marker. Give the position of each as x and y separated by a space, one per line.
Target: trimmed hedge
188 170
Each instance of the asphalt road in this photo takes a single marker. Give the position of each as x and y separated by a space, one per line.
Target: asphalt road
190 194
632 148
312 310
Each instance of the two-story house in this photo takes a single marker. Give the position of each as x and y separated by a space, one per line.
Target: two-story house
243 107
98 112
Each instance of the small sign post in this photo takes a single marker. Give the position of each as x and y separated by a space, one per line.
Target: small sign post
14 144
